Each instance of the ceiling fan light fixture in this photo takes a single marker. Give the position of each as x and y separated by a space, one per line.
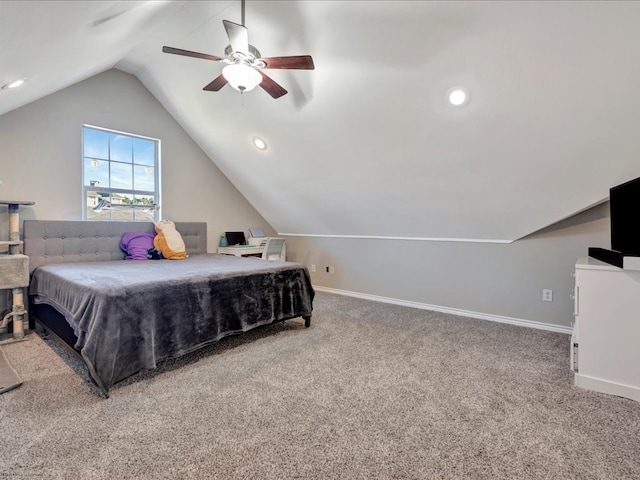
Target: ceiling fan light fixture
242 77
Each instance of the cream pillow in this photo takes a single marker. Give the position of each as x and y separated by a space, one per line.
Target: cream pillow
169 241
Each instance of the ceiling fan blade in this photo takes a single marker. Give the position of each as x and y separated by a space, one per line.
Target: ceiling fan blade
271 87
238 36
217 84
300 62
189 53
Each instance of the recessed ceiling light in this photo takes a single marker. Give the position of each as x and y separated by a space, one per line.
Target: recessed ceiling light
259 143
14 84
457 97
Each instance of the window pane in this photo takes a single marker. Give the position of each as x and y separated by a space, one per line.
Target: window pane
121 175
144 152
121 148
144 200
122 213
121 198
96 172
96 143
144 178
92 199
102 215
142 214
97 205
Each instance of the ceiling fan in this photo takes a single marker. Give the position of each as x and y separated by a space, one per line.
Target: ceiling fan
244 65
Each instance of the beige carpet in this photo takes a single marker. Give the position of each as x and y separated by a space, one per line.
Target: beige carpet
370 391
9 378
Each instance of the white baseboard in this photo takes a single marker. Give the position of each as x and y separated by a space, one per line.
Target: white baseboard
607 386
453 311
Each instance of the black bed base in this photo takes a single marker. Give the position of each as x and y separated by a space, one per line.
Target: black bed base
54 323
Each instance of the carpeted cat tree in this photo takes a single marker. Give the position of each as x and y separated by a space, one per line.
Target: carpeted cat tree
14 276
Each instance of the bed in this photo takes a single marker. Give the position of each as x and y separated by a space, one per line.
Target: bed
124 316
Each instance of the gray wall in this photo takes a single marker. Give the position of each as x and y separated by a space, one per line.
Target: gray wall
40 149
503 280
40 157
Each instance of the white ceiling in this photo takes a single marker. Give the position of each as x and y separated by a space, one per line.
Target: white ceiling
366 144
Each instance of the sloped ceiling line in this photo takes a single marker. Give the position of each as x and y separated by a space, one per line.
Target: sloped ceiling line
370 148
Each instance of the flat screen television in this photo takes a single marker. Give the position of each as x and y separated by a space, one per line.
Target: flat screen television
624 211
624 215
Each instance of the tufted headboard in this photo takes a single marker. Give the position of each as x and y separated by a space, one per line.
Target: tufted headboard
58 241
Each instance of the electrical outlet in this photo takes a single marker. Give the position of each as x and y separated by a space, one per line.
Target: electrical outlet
547 295
313 268
332 270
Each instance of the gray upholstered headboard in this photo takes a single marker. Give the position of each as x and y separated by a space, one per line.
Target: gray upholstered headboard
58 241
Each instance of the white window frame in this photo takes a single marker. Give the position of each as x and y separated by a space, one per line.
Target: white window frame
138 211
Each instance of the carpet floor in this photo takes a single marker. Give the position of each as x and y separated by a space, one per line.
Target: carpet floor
370 391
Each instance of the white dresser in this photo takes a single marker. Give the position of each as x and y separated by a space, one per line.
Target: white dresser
605 345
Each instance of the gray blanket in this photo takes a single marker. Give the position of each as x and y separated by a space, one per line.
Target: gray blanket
130 314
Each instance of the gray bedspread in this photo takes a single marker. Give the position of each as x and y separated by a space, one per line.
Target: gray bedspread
130 314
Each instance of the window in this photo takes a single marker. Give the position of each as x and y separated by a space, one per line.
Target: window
120 175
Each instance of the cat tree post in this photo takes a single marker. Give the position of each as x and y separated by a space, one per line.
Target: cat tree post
14 270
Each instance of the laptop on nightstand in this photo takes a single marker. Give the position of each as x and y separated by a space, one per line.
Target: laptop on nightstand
235 238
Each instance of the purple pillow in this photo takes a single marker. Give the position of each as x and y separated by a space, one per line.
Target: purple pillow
136 244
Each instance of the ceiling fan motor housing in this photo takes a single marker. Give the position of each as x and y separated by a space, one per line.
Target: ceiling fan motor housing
252 58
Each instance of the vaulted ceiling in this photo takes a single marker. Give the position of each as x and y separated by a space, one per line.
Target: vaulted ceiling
366 144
